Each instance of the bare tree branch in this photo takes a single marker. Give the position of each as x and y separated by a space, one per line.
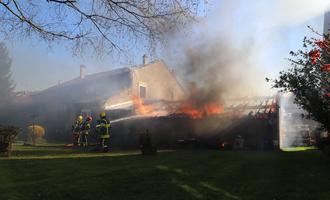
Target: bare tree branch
108 23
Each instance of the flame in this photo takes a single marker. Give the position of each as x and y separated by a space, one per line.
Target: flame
197 107
197 112
213 109
190 110
141 108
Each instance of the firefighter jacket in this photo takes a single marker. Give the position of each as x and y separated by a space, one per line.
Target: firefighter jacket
103 128
86 126
76 126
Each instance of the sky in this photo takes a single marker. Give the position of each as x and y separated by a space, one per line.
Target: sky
271 27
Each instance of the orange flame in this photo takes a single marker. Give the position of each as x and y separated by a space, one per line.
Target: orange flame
213 109
196 109
190 110
195 112
141 108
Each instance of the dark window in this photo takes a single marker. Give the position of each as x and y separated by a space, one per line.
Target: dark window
171 94
143 92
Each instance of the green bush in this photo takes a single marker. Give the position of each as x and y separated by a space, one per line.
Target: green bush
7 136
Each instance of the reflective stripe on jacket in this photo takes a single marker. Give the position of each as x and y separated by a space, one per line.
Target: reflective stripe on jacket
103 126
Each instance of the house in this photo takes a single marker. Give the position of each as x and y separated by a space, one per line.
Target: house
56 108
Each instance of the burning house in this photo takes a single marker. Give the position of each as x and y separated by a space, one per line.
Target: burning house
118 91
249 123
149 97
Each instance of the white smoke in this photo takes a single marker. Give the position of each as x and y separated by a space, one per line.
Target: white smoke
246 34
294 12
295 129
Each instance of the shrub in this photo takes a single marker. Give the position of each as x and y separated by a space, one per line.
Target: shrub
35 133
7 136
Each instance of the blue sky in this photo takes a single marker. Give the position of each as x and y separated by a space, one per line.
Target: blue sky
274 28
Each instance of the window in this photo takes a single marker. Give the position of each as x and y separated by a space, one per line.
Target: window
171 94
143 91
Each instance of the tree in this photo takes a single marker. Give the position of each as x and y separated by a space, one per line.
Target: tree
7 136
97 24
35 133
309 78
6 84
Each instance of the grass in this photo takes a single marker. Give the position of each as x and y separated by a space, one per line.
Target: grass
62 173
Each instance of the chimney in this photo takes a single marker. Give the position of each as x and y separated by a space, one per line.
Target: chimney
173 71
82 71
326 26
144 59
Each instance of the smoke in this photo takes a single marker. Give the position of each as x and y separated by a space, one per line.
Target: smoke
295 129
219 70
289 115
230 52
295 12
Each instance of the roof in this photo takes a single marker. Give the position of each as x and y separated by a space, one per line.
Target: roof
98 76
94 87
101 75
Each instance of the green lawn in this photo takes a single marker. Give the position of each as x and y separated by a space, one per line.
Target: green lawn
62 173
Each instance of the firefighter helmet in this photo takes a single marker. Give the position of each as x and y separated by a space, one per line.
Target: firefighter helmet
103 115
80 118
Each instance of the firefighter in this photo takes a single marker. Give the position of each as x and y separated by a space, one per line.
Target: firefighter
84 131
103 126
76 130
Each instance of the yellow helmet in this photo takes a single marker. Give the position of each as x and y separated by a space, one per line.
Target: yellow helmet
103 115
80 118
